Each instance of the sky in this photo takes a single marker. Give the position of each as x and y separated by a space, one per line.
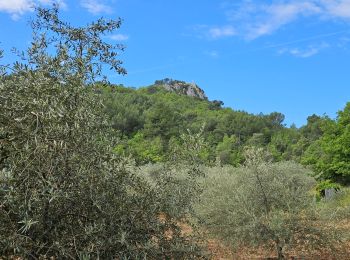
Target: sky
289 56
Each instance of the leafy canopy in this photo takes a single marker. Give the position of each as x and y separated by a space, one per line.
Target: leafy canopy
64 193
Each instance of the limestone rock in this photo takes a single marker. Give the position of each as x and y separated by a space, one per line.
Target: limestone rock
182 88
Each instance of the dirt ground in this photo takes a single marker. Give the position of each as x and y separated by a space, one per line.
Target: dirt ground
220 252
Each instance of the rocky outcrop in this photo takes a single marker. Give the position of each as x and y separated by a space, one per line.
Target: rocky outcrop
182 88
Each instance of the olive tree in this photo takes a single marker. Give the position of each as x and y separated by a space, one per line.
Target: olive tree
63 192
72 53
262 204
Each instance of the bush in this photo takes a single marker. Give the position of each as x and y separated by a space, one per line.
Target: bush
262 204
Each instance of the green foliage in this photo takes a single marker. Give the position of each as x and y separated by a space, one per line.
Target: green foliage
142 150
162 120
327 184
125 111
341 200
283 144
261 204
61 187
177 181
190 148
81 50
257 140
228 151
313 129
158 113
324 185
63 191
337 210
330 155
184 169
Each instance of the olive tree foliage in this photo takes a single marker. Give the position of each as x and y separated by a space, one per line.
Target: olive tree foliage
70 53
262 204
63 192
177 182
178 179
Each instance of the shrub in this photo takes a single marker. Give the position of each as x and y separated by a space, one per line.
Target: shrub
261 204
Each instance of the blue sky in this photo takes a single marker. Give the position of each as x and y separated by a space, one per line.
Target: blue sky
290 56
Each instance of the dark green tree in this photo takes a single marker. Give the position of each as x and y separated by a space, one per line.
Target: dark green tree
330 155
228 151
283 144
313 129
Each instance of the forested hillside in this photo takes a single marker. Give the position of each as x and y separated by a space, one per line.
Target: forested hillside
150 120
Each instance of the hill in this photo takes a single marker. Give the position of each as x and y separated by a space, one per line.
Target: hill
151 119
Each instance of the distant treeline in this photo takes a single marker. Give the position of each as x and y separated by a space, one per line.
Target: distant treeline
150 120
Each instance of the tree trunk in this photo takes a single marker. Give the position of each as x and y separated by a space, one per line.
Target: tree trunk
279 249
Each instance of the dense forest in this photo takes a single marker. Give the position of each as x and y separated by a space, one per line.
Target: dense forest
150 120
93 170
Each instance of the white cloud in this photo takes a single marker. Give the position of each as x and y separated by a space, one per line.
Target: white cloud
337 8
96 7
253 19
220 32
16 8
278 15
214 32
259 19
304 53
119 37
310 51
213 53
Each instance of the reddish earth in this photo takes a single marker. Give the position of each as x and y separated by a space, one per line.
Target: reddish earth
220 252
